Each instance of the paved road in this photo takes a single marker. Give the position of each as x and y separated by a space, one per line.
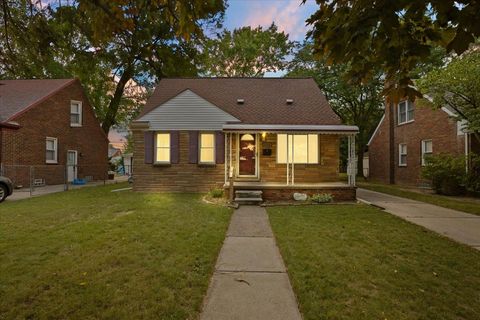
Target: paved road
459 226
250 280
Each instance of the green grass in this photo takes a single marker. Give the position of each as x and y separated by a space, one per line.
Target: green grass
357 262
91 253
443 201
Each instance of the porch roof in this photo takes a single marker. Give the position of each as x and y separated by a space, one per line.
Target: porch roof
325 129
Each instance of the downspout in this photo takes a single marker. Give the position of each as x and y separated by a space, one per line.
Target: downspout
466 151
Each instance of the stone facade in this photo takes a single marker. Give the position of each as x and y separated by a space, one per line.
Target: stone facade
23 151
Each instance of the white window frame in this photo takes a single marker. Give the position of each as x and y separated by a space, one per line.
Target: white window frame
156 148
308 149
400 154
424 150
407 104
80 113
55 149
200 147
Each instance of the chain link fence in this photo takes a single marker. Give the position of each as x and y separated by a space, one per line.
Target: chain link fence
41 179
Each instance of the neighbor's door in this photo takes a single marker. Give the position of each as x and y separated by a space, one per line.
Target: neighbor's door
247 154
72 162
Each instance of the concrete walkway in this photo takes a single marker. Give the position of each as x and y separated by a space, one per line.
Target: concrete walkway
459 226
250 280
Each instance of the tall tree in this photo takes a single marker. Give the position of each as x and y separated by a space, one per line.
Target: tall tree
359 104
393 36
246 52
123 42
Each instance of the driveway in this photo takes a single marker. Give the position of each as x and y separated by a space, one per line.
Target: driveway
456 225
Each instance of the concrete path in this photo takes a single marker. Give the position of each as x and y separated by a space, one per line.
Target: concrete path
459 226
250 280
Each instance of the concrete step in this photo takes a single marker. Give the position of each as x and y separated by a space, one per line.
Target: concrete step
248 194
259 192
248 200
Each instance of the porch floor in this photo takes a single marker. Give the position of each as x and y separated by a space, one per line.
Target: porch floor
277 185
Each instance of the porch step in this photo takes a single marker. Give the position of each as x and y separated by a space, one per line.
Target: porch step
249 192
248 200
248 196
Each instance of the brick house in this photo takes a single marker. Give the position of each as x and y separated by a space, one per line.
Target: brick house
45 125
275 136
408 132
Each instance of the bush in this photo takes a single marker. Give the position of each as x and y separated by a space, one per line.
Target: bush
322 197
446 172
472 180
216 193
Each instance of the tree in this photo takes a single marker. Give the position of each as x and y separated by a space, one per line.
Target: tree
246 52
360 104
107 44
393 36
457 86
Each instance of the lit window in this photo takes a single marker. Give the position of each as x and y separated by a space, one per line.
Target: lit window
405 112
302 148
162 148
427 149
51 150
207 148
402 155
76 113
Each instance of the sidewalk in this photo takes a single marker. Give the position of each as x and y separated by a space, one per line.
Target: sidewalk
250 280
456 225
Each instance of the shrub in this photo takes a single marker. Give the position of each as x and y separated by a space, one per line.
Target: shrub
322 197
472 180
216 193
446 172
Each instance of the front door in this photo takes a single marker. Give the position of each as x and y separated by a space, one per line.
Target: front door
247 155
72 162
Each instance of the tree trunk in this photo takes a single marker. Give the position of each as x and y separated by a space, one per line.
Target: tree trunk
112 110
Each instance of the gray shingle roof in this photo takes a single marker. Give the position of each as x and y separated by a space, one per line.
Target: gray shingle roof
265 99
18 95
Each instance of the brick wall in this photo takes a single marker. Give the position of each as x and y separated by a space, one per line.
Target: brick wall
51 118
428 124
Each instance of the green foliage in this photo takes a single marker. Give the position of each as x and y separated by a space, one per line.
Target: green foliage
216 193
394 36
446 172
472 180
322 197
246 52
355 104
456 86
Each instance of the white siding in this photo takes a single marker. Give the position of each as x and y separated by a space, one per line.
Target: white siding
187 111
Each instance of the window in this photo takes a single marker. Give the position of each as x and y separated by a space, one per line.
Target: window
162 148
402 155
405 112
302 148
75 113
207 148
427 149
51 150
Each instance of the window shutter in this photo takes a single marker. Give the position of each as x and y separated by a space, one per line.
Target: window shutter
219 147
148 144
193 147
174 147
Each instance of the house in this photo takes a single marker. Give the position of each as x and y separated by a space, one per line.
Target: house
49 133
274 135
406 134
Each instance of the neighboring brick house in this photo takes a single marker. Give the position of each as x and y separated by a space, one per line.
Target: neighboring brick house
44 122
405 134
275 135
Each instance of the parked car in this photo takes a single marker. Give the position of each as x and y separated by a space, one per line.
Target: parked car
6 188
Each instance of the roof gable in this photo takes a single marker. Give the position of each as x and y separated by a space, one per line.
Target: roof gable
264 99
187 111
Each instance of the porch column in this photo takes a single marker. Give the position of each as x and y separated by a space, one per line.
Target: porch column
226 157
352 161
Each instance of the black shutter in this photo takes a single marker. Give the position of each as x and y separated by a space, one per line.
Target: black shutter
193 147
148 144
174 147
220 147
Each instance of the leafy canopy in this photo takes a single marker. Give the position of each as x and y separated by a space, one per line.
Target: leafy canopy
394 36
246 52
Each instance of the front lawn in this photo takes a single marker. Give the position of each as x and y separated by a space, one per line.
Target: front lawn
91 253
464 205
358 262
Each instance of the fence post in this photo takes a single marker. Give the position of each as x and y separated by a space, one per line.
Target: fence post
31 180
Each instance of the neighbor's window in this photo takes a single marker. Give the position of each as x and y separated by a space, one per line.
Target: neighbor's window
302 148
51 150
76 113
402 154
427 149
207 148
162 148
405 112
